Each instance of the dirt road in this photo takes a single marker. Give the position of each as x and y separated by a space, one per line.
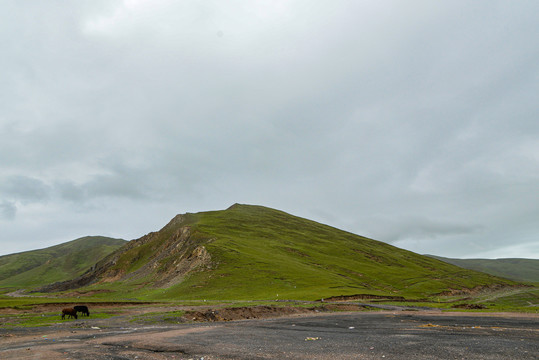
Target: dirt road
357 335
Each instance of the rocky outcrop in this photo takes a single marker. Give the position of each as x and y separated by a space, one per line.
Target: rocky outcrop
165 257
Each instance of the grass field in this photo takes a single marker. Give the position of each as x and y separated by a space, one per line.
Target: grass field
57 263
261 254
267 254
526 270
525 300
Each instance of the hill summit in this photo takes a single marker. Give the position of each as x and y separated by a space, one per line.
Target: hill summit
254 252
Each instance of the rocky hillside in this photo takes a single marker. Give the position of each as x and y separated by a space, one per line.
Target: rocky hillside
250 252
162 258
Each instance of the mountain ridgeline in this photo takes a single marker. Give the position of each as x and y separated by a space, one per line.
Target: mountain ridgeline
254 252
515 269
55 263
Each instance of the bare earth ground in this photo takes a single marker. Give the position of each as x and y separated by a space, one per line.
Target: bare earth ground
265 332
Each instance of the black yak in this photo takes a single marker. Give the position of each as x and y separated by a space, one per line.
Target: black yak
82 309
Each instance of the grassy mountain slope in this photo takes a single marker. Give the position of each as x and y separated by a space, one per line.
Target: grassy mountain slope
514 269
56 263
253 252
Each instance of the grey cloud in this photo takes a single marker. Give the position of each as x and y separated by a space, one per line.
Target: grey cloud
8 210
24 189
421 229
122 182
115 186
70 192
407 122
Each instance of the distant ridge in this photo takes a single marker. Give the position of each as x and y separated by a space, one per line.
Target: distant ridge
510 268
254 252
55 263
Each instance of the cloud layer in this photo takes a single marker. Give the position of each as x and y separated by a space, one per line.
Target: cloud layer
413 123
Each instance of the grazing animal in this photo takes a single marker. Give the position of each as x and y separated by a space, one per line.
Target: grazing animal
69 312
82 309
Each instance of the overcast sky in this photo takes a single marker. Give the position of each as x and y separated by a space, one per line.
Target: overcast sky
411 122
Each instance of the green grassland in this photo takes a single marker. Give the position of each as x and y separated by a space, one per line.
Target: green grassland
43 319
515 269
259 253
264 253
503 300
57 263
521 299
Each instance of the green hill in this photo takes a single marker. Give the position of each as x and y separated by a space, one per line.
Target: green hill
253 252
56 263
514 269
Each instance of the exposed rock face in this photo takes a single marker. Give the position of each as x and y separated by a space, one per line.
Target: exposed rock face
177 256
165 257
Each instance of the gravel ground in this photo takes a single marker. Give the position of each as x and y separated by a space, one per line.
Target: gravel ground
351 335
